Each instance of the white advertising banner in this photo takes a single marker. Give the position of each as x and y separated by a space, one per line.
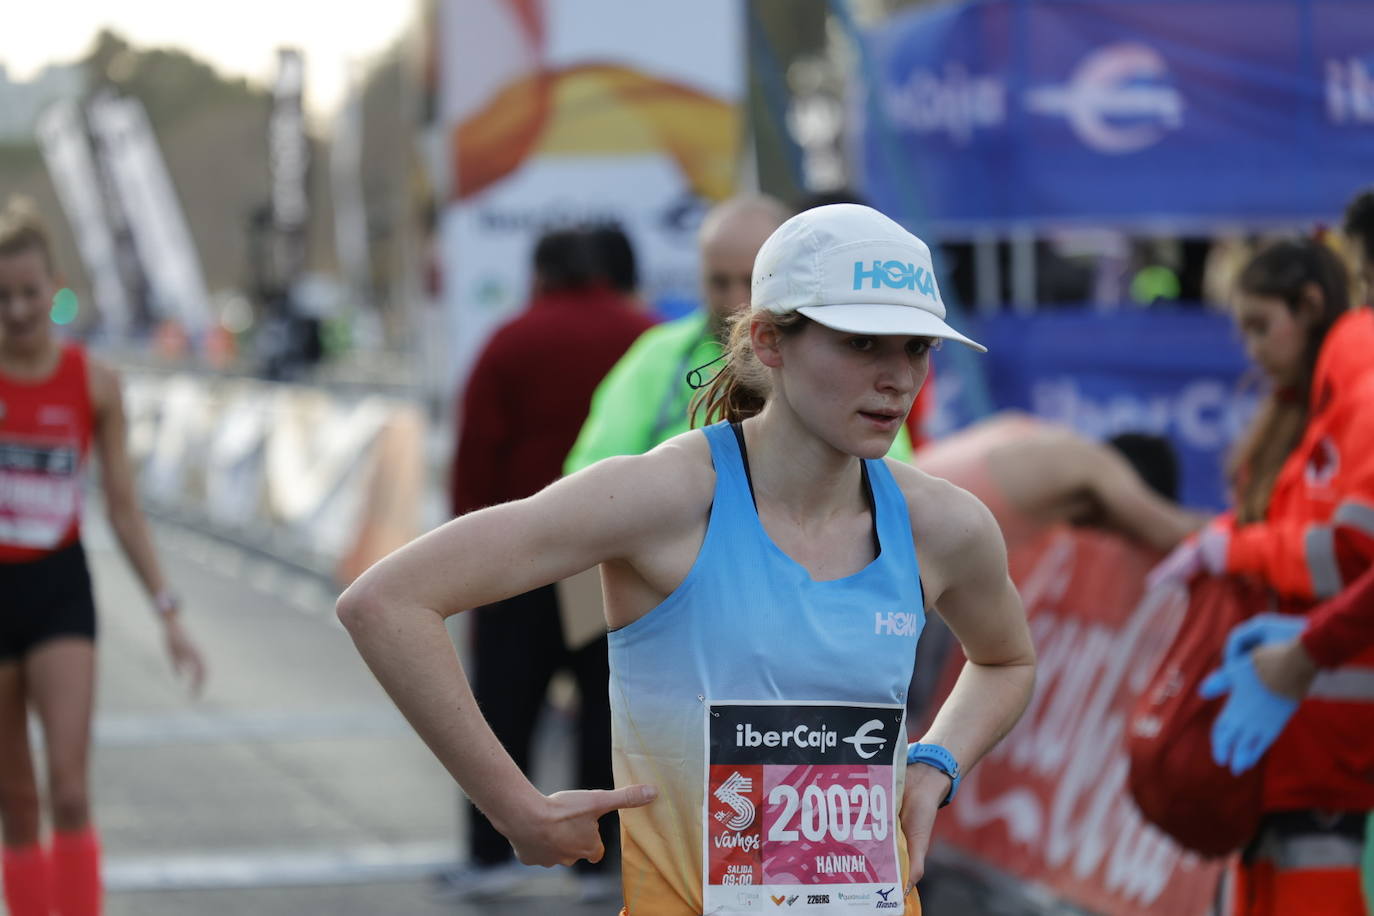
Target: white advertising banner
288 163
580 111
67 152
302 473
165 247
350 207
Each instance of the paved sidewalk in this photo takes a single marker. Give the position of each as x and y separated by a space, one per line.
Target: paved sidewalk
293 786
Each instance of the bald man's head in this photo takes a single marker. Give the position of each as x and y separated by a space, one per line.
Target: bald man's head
731 234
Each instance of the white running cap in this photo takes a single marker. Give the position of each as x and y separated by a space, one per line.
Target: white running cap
852 269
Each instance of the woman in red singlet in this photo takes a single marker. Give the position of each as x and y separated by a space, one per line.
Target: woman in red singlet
56 405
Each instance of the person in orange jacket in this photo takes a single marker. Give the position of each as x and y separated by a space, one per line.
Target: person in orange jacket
1289 652
1303 483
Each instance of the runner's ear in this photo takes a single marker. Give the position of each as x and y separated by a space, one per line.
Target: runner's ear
764 338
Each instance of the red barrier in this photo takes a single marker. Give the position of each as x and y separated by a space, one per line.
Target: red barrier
1049 805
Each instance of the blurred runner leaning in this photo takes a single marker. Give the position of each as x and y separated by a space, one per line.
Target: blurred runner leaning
1033 474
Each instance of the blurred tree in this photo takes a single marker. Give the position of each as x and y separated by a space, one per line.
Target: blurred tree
171 84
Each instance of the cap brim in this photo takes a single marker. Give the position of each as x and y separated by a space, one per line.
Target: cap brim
886 319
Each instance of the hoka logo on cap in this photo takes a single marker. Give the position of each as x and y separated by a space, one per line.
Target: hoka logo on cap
895 274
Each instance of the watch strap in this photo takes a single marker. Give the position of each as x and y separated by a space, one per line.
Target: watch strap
939 757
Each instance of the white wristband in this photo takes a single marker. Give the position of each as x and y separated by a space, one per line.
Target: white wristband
166 603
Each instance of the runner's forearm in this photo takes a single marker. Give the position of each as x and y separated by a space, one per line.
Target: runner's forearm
983 706
412 657
136 540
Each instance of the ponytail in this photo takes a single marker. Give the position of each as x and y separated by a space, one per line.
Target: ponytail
740 389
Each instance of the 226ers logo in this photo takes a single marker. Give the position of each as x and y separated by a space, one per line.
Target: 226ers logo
801 796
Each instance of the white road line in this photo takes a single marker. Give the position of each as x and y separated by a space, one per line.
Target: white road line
116 731
196 549
277 868
227 561
302 592
307 596
264 576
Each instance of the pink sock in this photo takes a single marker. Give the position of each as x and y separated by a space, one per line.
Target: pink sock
76 873
26 880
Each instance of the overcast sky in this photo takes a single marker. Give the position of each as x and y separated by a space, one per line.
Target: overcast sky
239 38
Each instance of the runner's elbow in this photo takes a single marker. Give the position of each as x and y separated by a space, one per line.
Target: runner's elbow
358 603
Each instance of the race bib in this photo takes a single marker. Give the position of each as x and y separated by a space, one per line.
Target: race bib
40 492
801 808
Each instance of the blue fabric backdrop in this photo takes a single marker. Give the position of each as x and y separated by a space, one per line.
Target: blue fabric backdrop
1183 113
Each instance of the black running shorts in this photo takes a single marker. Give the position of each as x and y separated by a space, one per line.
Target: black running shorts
43 599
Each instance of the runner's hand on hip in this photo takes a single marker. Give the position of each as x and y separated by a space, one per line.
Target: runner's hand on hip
566 829
926 787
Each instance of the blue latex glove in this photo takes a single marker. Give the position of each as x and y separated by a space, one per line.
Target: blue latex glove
1261 630
1251 719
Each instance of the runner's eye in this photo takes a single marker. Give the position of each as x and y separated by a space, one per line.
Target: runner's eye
862 344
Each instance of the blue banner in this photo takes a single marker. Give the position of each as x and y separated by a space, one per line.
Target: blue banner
1176 373
1187 115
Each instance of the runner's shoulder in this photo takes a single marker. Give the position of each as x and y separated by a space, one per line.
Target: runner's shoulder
944 517
102 380
676 476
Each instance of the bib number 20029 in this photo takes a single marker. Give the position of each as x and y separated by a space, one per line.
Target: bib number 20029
836 812
800 802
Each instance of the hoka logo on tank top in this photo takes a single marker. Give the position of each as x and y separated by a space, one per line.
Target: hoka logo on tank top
895 623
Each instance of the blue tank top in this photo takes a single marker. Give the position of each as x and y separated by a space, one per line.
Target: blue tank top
745 679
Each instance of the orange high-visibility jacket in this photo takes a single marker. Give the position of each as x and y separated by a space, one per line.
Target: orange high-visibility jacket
1342 628
1318 535
1317 538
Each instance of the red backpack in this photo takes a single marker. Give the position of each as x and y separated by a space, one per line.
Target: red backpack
1173 778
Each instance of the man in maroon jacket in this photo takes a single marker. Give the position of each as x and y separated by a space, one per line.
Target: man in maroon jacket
525 401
